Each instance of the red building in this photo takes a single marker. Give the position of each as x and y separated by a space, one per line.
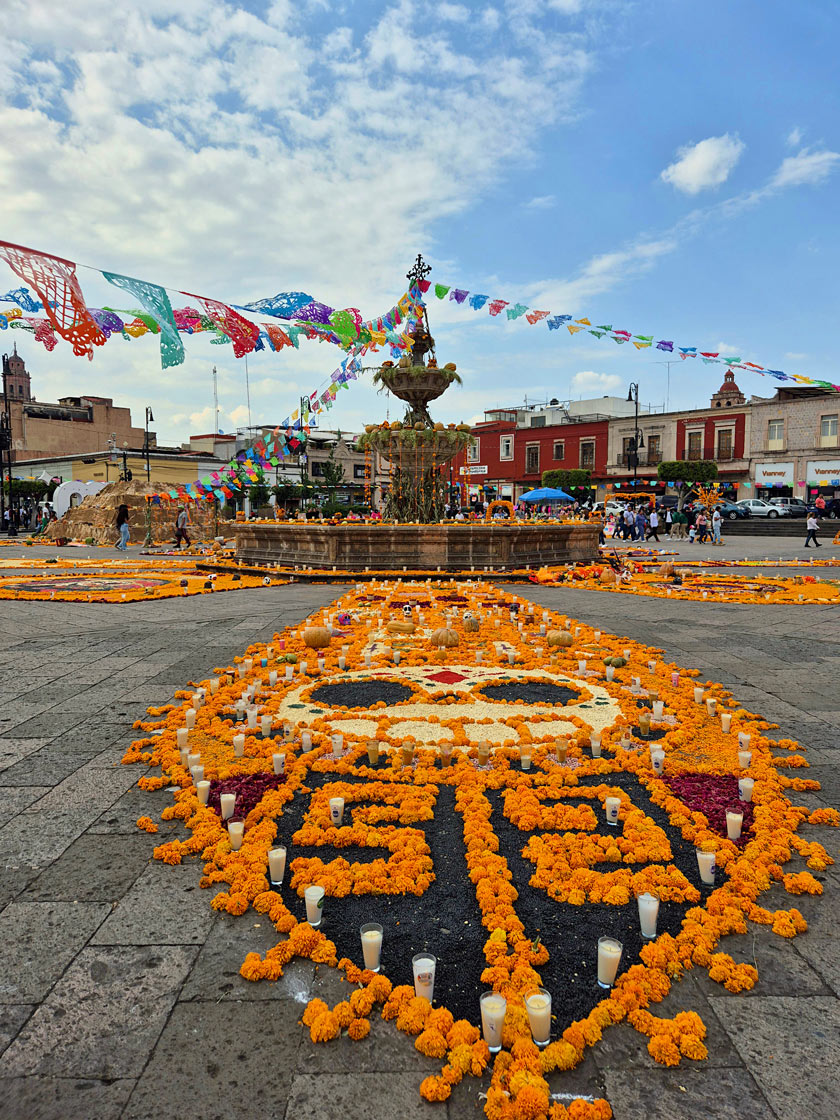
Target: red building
508 459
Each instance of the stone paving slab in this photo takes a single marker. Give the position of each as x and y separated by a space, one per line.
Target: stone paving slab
39 940
62 1098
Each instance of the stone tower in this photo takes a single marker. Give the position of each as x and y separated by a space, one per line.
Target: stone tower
16 378
728 394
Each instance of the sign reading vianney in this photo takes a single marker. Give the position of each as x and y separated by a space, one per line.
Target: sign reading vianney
774 474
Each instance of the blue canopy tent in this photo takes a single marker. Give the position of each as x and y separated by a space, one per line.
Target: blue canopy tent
546 494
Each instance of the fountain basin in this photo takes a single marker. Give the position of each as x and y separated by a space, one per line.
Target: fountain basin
448 546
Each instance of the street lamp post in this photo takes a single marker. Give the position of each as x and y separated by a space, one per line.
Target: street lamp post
149 419
638 440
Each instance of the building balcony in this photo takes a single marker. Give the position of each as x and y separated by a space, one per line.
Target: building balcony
645 459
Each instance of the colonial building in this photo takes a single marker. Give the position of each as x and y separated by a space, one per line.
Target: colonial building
794 443
69 426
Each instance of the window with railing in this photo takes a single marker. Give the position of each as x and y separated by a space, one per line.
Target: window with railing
654 450
725 449
532 458
694 445
587 454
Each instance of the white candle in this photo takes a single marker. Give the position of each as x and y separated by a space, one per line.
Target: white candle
675 679
611 807
272 678
302 668
657 760
609 955
195 700
239 745
371 934
252 718
193 759
290 672
493 1009
648 913
185 756
276 866
595 744
543 629
711 706
734 824
342 662
511 657
203 789
322 661
227 804
597 635
236 832
577 631
478 656
214 684
652 666
367 660
538 1006
241 670
445 753
744 740
336 810
744 759
581 665
725 722
397 656
314 898
525 751
745 788
698 695
658 709
706 863
279 761
197 773
189 718
306 740
610 672
337 741
265 726
627 653
424 965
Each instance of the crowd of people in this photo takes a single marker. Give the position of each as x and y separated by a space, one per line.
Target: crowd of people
693 523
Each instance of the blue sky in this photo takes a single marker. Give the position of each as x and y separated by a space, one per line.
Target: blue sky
665 166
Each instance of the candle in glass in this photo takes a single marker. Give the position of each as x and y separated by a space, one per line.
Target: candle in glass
711 706
611 807
658 709
734 824
538 1006
279 762
314 899
248 662
238 745
236 833
744 759
185 756
478 656
189 718
227 805
241 670
627 653
303 668
306 740
644 724
652 666
197 773
744 740
609 956
336 810
342 662
725 722
371 934
214 684
745 788
698 695
182 735
657 761
272 678
276 866
407 751
252 719
597 635
322 661
483 752
525 752
595 744
423 966
288 729
445 753
367 660
648 913
675 679
269 651
265 726
193 759
561 749
610 672
493 1008
203 789
337 741
372 751
706 863
290 672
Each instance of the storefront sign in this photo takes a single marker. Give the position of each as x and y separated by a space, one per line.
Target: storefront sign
473 470
823 472
774 474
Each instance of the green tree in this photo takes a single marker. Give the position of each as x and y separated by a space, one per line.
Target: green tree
688 471
567 480
34 488
332 472
258 491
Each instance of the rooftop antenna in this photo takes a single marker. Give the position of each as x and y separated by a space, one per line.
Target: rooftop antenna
248 392
668 381
215 401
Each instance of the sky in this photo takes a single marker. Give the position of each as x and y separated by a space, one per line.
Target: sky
667 167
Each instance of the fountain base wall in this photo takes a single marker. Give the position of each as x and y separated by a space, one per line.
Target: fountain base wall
451 547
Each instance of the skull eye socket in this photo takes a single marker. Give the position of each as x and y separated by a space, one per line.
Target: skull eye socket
360 694
530 692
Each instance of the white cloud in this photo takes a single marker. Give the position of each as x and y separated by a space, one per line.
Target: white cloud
806 167
705 164
541 202
796 356
240 415
452 13
491 19
794 138
588 381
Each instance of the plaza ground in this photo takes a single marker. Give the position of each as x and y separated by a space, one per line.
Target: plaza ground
120 994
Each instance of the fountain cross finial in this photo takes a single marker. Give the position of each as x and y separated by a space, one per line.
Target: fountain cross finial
418 271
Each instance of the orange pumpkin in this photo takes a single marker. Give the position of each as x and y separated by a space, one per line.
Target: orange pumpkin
444 638
317 637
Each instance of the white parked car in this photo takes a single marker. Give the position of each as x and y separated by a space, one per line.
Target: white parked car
759 508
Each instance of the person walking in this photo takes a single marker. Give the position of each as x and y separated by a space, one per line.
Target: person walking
812 524
181 523
717 522
122 528
653 531
678 525
641 524
701 524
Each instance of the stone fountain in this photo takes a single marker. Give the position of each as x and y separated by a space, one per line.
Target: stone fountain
413 534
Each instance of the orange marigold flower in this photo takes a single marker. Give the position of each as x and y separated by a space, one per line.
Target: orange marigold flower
314 1008
435 1089
324 1027
252 967
359 1029
431 1043
169 853
147 824
663 1050
344 1013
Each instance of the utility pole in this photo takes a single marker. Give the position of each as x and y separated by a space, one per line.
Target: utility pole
149 418
215 403
6 447
638 442
667 382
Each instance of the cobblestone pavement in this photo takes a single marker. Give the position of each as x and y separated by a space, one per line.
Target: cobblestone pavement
120 994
